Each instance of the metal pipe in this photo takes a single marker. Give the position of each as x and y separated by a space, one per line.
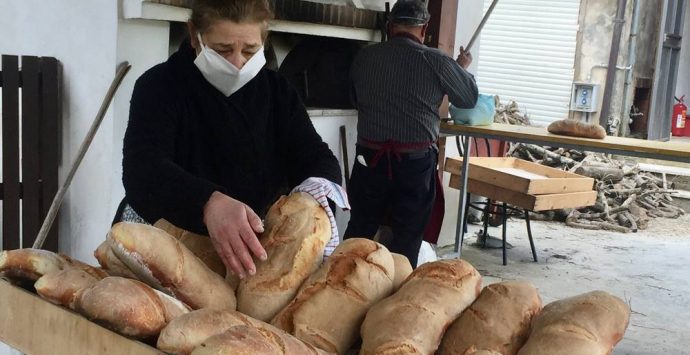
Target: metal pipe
613 58
618 67
632 59
481 25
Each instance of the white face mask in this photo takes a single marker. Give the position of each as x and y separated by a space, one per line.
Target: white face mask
222 74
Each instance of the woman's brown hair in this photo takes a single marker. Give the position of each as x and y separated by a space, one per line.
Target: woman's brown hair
205 12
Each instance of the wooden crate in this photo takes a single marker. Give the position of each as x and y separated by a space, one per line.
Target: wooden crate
35 326
527 201
521 176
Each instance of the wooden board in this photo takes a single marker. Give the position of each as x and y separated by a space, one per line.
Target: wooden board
10 152
666 150
526 201
521 176
37 327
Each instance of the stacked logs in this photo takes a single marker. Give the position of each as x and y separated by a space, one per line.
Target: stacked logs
509 113
627 198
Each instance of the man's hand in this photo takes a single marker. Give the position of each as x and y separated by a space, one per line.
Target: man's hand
464 58
233 227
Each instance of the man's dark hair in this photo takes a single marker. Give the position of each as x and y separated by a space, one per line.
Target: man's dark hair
409 13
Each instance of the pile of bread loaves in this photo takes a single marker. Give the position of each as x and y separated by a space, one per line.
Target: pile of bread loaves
166 285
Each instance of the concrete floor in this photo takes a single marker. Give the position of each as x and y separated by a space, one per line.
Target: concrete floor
650 270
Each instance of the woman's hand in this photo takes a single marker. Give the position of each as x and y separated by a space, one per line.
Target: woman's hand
233 227
464 58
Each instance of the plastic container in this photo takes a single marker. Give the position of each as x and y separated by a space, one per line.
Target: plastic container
482 114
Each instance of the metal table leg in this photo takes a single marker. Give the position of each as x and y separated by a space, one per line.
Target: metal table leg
529 234
462 200
505 227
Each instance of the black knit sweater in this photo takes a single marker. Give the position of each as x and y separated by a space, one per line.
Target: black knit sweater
185 139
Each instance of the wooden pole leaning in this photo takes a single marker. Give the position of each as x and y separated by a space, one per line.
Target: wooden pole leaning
86 143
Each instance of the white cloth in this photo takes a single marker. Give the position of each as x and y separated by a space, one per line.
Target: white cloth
323 190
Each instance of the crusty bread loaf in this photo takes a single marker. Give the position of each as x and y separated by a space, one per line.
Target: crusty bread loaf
61 287
198 244
330 307
250 340
189 331
413 320
124 305
92 270
202 247
172 307
29 264
499 320
109 261
161 261
403 269
575 128
588 324
297 230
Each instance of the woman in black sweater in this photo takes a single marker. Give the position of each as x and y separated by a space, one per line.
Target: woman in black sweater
214 138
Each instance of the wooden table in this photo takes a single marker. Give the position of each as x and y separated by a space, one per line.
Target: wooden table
538 135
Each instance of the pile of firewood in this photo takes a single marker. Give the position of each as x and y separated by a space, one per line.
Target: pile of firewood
627 197
509 113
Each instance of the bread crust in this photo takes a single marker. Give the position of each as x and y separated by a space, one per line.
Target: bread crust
297 230
413 319
575 128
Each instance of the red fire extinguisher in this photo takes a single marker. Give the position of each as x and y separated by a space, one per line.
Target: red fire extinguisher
679 122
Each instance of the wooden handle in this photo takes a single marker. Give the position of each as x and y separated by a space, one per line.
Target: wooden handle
60 195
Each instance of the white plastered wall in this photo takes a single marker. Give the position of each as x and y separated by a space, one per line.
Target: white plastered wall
89 41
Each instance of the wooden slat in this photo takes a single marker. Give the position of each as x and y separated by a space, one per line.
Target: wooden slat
35 326
50 143
2 191
526 201
10 152
487 170
31 111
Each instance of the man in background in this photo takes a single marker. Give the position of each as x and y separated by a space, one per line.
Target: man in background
397 87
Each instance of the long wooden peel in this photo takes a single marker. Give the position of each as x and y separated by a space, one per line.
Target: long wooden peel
481 25
57 201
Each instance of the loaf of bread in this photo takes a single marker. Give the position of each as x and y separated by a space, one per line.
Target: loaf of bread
161 261
61 287
188 331
92 270
109 261
123 305
297 230
403 269
588 324
172 307
198 244
499 320
413 319
30 264
184 334
330 307
575 128
250 340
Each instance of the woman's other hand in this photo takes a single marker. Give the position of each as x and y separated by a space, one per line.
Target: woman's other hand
233 227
